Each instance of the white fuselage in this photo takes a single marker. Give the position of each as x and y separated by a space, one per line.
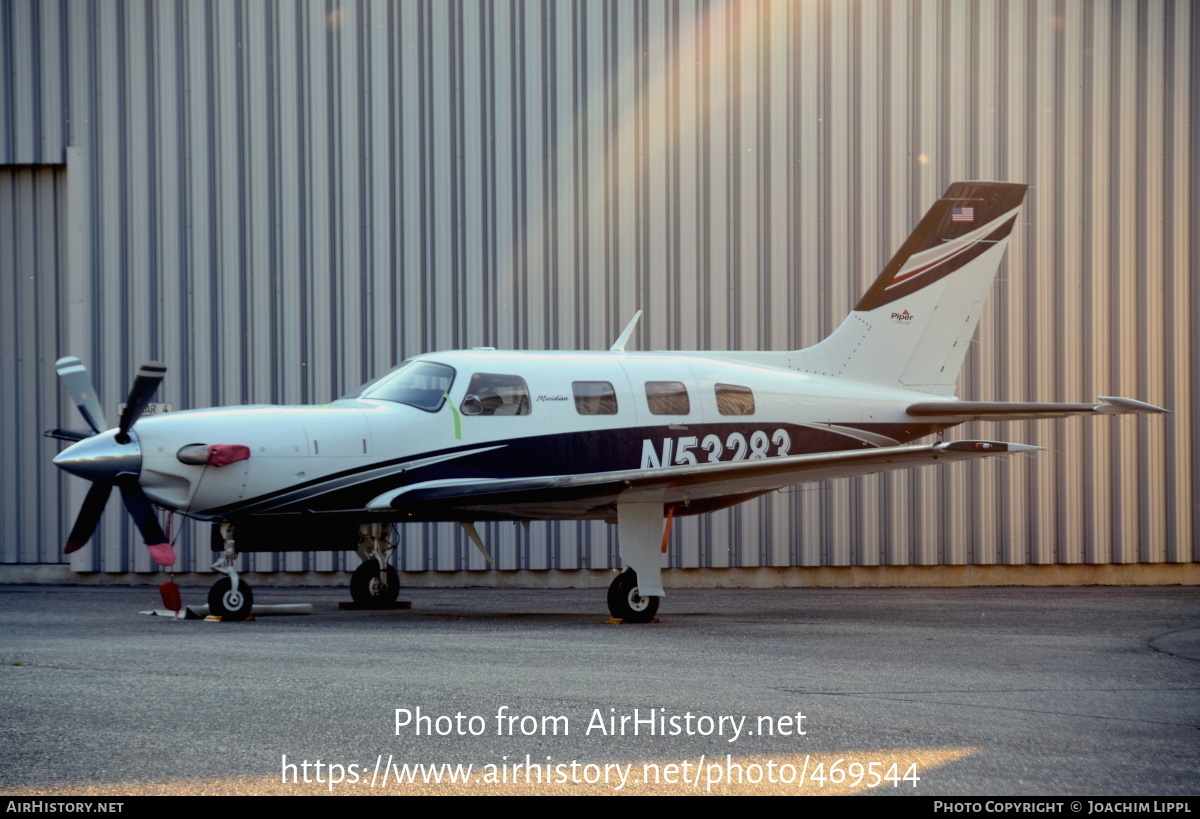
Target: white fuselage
337 457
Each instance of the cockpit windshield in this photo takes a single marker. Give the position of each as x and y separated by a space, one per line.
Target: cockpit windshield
420 384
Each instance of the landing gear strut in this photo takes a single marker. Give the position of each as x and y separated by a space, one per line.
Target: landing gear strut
625 603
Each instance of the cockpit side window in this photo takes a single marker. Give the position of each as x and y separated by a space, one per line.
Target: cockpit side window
667 398
420 384
494 394
734 400
594 397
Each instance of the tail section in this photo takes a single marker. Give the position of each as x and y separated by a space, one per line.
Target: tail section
913 326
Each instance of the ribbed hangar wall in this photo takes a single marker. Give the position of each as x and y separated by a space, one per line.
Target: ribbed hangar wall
282 199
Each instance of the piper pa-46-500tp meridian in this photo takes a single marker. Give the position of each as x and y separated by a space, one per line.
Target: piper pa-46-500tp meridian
626 437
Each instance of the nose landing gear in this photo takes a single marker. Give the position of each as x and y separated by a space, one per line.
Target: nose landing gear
230 603
230 597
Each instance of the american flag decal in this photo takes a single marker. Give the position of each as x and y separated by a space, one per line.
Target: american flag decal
962 214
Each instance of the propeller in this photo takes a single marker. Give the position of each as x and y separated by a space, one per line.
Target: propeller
112 458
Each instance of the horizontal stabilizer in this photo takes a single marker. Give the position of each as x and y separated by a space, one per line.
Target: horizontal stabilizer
957 412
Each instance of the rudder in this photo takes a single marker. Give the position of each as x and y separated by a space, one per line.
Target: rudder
913 326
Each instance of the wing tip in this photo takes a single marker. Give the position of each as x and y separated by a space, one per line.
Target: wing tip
988 447
1116 404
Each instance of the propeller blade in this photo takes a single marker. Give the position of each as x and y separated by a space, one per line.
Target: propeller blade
147 522
149 376
67 434
75 378
89 517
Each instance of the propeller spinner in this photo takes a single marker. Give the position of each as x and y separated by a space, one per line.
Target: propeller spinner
112 458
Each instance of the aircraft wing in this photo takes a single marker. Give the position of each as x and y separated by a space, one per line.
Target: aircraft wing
956 412
595 495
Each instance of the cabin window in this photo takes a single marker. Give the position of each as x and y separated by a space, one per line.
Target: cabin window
594 397
667 398
493 394
420 384
734 400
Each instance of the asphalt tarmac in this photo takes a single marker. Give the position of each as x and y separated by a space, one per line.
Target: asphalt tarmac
1047 691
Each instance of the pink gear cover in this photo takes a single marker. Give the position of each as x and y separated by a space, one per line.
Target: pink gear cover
162 553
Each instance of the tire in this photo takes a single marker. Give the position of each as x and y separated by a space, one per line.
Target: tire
624 602
366 590
228 604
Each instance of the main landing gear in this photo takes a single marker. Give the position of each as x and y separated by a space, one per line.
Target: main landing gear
642 538
626 603
374 584
371 589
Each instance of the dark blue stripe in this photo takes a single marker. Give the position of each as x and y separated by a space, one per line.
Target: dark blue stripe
574 453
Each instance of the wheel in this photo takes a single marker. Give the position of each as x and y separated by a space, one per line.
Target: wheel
624 602
366 590
229 603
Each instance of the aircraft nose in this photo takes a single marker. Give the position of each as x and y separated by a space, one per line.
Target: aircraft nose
100 458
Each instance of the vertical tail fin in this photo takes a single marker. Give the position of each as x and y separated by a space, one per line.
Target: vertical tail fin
914 324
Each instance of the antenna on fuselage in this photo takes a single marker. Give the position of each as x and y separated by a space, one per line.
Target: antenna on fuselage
619 345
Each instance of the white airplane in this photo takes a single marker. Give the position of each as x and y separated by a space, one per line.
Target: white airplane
625 437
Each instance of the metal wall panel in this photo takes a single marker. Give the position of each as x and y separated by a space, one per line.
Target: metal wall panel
32 213
282 199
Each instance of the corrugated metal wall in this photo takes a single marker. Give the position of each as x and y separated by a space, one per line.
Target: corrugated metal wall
32 215
282 199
